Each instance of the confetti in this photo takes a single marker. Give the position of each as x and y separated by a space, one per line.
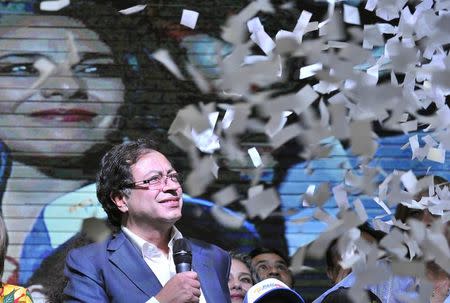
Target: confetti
254 155
53 5
351 14
189 18
133 9
163 56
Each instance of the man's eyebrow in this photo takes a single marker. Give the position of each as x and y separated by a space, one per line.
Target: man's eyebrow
24 55
159 172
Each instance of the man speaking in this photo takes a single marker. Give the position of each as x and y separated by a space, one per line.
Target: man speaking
142 195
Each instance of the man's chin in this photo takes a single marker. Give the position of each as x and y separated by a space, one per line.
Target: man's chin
173 219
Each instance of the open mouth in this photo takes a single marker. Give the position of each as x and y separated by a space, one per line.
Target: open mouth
65 115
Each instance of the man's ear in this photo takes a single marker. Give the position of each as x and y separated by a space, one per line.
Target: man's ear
120 201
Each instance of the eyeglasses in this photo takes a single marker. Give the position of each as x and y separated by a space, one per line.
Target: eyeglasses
156 181
265 268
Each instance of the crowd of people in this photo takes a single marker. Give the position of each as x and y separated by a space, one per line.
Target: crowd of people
141 193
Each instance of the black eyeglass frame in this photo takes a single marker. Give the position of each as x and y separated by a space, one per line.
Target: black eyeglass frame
146 184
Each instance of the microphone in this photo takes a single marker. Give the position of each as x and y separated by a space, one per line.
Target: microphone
182 255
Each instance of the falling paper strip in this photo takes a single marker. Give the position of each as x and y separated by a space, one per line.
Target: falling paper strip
254 155
361 138
133 10
351 14
163 56
189 18
226 196
53 5
46 68
226 218
340 196
262 204
310 70
436 154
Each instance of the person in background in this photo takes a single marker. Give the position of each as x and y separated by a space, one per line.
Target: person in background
385 290
240 278
270 263
9 292
334 270
272 290
439 277
141 193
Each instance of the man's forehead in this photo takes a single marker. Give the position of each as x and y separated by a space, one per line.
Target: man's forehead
152 160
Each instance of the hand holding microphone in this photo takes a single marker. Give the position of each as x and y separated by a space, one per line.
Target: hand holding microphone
184 286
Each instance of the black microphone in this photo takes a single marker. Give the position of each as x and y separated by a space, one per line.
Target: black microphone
182 255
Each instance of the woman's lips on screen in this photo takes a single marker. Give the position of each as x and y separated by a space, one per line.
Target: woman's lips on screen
65 115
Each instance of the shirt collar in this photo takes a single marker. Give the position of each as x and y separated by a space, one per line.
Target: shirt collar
148 249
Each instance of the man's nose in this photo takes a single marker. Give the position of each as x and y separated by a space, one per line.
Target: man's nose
274 271
169 184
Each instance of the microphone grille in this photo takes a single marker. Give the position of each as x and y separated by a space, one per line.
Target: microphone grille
181 245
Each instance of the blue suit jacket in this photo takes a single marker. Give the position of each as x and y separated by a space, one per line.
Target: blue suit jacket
114 271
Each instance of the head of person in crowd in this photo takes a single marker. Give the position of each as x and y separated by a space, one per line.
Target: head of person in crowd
342 295
335 272
435 273
240 278
270 263
133 172
272 290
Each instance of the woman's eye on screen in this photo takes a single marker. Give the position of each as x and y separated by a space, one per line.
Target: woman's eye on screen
18 69
95 70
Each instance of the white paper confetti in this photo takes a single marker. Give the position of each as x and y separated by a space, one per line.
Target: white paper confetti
189 18
53 6
351 14
255 157
133 9
163 56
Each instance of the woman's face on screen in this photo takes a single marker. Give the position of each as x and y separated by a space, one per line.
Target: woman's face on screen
68 110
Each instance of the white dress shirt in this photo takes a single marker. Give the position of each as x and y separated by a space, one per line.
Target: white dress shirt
161 265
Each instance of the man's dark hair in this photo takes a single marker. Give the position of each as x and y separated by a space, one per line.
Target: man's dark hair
115 174
332 258
266 250
341 295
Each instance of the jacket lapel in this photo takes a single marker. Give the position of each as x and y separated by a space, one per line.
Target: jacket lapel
127 258
209 281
